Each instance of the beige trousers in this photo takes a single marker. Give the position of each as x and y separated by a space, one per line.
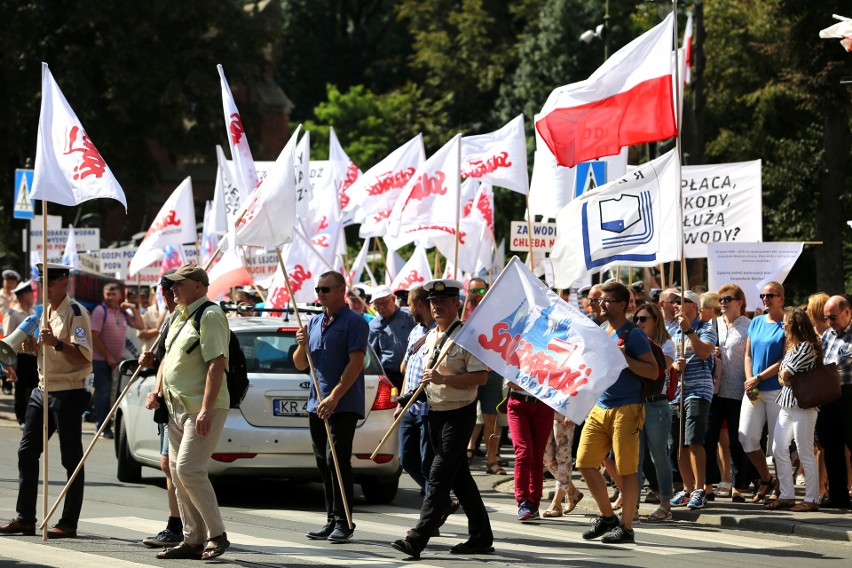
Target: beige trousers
188 455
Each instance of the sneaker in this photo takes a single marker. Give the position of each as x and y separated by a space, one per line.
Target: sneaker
341 533
601 527
619 535
800 480
166 538
697 500
525 513
681 499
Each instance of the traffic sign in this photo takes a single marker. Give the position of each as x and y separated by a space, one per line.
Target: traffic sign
24 208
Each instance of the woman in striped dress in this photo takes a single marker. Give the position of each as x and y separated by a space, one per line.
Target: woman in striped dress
802 348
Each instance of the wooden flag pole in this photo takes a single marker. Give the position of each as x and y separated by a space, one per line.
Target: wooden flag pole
45 322
318 391
458 213
436 273
530 232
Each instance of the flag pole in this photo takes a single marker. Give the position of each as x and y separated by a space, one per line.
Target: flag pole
435 272
45 322
318 391
458 212
530 232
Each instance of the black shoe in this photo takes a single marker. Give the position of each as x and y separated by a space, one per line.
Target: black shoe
618 535
341 533
323 533
406 547
601 527
165 539
452 508
831 503
471 548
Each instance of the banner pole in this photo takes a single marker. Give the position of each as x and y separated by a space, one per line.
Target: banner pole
530 232
436 273
318 391
45 322
458 212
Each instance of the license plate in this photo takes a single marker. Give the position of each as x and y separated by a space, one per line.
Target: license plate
289 407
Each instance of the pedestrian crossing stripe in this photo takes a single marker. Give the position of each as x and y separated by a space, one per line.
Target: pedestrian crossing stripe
23 208
27 552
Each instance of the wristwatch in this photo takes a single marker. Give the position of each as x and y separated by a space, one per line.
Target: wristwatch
59 346
690 331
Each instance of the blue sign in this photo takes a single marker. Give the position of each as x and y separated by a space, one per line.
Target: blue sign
589 176
23 205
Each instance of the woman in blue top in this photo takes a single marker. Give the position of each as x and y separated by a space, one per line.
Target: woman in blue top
764 351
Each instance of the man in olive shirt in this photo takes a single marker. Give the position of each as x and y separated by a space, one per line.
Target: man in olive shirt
451 388
66 352
192 376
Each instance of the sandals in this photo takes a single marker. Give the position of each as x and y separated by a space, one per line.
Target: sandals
216 547
550 513
183 551
494 469
573 499
661 515
780 504
762 489
805 507
616 505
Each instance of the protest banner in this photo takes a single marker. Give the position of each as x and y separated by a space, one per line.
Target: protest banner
543 237
721 203
88 238
751 266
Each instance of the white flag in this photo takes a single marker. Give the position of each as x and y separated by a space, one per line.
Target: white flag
226 196
393 264
304 266
358 265
209 237
632 221
246 175
499 157
68 168
173 225
530 336
344 174
415 272
69 255
302 170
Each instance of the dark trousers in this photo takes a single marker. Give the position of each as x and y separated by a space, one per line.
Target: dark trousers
728 409
27 371
65 410
103 391
834 431
395 377
342 432
449 433
415 451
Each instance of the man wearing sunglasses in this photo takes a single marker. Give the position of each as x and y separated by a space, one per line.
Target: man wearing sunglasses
595 295
337 339
834 424
476 290
389 333
669 302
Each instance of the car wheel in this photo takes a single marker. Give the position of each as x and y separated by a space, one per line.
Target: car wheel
128 470
380 491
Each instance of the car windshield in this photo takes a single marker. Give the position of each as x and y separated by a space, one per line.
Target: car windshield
272 352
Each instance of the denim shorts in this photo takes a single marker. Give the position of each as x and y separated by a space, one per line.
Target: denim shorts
164 440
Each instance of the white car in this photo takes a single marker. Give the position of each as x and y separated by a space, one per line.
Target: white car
268 435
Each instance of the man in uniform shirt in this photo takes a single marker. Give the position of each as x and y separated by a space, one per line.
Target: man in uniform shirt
66 348
389 333
7 294
192 379
451 389
26 369
337 340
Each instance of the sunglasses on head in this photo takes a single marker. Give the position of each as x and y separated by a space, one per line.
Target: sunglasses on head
769 296
325 289
726 299
642 319
477 290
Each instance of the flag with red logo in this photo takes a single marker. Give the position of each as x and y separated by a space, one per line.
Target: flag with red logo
68 168
173 225
344 172
268 217
471 233
304 266
628 100
841 30
246 174
499 157
525 332
375 192
414 273
172 258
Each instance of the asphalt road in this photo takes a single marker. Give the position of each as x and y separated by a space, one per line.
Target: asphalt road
267 519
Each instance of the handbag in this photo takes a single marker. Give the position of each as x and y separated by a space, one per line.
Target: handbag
820 385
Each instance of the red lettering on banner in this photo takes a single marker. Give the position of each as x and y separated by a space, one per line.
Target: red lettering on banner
443 228
381 216
484 206
478 168
91 163
168 220
298 277
428 185
351 176
321 241
323 223
236 128
391 180
413 278
252 208
467 208
502 343
278 297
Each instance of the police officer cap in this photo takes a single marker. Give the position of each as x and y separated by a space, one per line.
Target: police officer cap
190 271
443 288
584 291
54 270
23 287
11 275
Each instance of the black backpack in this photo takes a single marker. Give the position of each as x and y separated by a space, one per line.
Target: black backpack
650 387
237 374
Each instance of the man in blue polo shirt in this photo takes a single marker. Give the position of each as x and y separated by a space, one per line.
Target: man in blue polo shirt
695 363
337 340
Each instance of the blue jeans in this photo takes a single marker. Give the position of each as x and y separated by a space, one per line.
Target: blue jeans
415 453
103 391
655 436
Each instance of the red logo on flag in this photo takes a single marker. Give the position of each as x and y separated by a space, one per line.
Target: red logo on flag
413 278
444 228
381 216
91 163
321 241
323 223
168 220
298 277
428 185
236 128
478 168
391 180
351 176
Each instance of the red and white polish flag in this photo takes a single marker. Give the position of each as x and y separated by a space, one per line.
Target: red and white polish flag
173 225
499 157
246 174
628 100
68 168
414 273
687 50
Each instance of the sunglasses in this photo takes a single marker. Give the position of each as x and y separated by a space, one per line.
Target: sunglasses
642 319
769 296
478 290
675 302
726 299
325 289
830 318
611 301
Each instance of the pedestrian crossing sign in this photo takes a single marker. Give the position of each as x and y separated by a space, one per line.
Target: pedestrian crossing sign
24 208
589 176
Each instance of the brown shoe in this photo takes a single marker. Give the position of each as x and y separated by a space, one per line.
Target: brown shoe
61 531
17 526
